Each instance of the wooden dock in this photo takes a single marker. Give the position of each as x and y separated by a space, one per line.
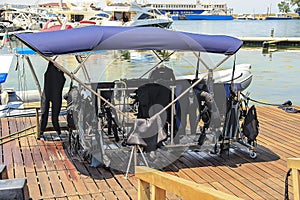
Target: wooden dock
280 42
53 174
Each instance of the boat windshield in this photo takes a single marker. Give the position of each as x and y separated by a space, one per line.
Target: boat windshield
155 11
146 16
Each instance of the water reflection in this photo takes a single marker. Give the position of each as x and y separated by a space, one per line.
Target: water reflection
275 75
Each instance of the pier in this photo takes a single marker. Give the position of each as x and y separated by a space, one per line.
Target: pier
280 42
271 43
53 173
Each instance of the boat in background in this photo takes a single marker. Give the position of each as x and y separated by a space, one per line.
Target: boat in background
16 20
113 14
245 17
193 10
279 16
6 61
98 19
134 14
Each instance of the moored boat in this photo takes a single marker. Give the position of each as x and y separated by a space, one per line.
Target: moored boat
136 15
193 10
240 77
279 16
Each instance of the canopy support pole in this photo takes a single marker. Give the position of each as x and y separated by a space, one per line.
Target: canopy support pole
222 61
161 60
34 75
197 69
82 62
217 65
211 70
82 65
72 76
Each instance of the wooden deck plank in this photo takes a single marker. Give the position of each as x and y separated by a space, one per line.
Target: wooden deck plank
57 187
98 196
79 185
44 183
109 195
16 153
90 184
28 162
242 171
7 150
219 186
33 186
67 184
111 181
99 182
53 174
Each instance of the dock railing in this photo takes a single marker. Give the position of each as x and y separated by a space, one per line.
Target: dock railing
153 184
294 164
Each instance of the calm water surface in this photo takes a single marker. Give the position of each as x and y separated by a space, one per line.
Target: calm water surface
276 75
242 28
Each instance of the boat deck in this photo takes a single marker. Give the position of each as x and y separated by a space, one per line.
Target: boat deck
53 174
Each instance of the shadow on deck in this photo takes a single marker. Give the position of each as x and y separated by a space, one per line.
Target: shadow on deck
52 173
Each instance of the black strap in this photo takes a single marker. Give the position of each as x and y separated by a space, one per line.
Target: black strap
71 85
233 71
286 189
287 103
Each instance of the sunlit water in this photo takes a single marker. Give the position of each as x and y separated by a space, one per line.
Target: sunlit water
275 76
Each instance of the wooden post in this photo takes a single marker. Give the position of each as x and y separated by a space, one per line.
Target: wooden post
294 164
38 135
158 193
162 182
143 190
265 47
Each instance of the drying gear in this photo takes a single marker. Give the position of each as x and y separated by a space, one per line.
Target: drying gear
54 81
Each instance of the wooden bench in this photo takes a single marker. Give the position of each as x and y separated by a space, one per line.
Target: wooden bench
294 164
161 182
37 107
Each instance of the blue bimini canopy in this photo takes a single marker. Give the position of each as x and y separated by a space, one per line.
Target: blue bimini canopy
93 38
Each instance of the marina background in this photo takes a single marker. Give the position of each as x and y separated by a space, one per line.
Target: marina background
249 7
275 75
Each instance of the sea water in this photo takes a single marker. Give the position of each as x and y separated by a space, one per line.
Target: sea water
275 75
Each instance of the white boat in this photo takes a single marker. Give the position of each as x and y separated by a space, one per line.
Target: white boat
136 15
20 19
77 17
98 19
6 61
12 105
13 102
192 9
241 79
245 17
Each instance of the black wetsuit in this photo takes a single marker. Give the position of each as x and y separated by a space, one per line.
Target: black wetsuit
54 81
152 97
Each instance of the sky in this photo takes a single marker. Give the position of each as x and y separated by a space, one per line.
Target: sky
239 6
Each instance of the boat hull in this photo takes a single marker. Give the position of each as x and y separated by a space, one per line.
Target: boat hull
279 18
203 17
241 80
